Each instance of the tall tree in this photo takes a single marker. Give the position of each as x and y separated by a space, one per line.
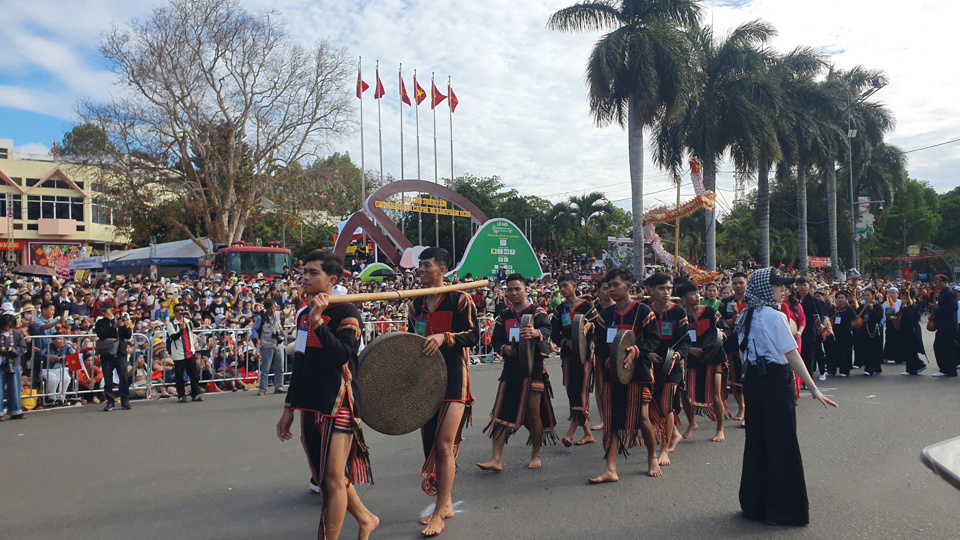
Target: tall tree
219 100
584 208
637 73
723 111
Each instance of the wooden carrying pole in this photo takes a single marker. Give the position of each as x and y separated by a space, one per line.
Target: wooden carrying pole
409 293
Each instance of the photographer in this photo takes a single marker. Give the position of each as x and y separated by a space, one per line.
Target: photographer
112 334
12 348
182 345
268 332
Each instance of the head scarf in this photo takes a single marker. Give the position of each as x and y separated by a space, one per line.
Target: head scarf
760 291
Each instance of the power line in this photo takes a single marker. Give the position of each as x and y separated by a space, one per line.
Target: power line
931 146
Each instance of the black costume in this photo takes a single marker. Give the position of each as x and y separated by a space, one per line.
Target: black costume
576 375
106 330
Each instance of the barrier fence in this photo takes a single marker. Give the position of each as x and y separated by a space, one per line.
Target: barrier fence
225 357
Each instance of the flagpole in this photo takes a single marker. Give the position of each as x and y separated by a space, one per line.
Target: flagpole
376 252
436 162
403 222
363 169
453 220
417 107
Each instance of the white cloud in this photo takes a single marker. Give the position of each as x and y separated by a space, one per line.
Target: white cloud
32 148
523 112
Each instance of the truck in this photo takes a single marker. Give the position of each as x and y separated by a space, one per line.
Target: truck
247 261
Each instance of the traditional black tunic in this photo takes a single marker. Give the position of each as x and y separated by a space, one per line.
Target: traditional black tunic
707 327
730 309
510 407
454 316
674 333
576 375
622 403
840 345
872 339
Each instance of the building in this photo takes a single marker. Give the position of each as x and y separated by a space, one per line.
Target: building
50 212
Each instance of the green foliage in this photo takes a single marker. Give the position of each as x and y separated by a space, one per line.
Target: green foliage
948 234
84 140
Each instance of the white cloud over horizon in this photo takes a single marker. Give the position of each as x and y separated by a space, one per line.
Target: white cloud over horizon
523 112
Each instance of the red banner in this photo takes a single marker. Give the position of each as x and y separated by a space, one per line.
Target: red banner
819 262
905 273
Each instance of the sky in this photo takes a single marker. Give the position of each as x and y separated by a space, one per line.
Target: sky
523 112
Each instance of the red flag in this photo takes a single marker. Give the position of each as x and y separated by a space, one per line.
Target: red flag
453 99
437 97
74 363
379 92
790 266
361 86
403 93
419 94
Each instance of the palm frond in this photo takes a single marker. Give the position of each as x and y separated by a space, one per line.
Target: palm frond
587 16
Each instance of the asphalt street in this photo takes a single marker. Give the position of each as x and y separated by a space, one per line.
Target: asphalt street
217 470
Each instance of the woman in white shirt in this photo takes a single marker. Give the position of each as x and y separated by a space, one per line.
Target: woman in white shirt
772 486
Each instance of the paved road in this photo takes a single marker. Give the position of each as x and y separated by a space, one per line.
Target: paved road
216 470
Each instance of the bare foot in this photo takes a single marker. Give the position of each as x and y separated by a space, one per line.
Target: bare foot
435 526
567 441
368 526
664 458
675 441
445 513
739 415
534 463
587 439
598 427
654 467
690 429
492 465
719 437
607 476
743 424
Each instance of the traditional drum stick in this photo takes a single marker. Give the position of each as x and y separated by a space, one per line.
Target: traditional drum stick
642 297
409 293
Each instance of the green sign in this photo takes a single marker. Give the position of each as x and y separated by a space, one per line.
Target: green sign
499 244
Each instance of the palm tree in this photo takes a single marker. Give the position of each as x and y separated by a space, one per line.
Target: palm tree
723 112
637 72
586 207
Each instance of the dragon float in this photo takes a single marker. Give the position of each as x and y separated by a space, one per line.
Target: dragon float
703 200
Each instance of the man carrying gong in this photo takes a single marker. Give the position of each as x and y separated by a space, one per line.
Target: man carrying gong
448 321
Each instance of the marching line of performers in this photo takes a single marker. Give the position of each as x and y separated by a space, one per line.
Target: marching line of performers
687 356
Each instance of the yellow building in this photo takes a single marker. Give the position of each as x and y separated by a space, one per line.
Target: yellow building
50 211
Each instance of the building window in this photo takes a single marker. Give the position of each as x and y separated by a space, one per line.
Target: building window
17 181
4 152
17 205
32 182
50 207
33 207
100 212
81 228
33 227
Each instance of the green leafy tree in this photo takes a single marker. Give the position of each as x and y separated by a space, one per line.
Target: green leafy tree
637 72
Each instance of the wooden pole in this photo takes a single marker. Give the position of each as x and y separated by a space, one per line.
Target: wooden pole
409 293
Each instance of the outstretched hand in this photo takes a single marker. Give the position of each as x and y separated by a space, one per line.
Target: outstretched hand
818 395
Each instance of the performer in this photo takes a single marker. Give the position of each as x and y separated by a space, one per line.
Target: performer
523 399
811 346
449 322
626 408
322 387
706 361
944 315
772 485
910 334
576 375
893 347
603 301
730 308
840 346
674 334
873 333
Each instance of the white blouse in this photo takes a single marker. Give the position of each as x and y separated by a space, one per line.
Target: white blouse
769 336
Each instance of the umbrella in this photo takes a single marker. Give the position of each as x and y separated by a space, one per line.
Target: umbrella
34 270
376 272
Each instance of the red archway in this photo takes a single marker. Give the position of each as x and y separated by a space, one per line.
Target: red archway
395 243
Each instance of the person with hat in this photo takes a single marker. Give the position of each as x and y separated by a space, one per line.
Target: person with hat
182 346
772 485
112 334
944 315
324 388
449 324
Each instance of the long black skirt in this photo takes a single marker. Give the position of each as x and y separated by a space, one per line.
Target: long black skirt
772 486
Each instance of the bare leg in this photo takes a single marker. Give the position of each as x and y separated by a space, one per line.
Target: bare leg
609 474
692 426
738 395
496 461
587 435
334 485
646 431
597 386
718 406
535 427
367 521
446 470
568 438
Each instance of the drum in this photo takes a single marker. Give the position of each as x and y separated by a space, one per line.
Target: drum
402 387
527 348
581 343
618 352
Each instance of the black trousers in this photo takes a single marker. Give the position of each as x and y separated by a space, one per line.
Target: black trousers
808 351
772 486
945 349
190 364
107 365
